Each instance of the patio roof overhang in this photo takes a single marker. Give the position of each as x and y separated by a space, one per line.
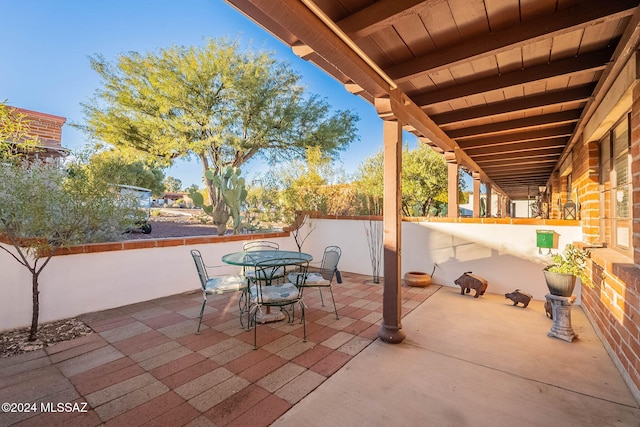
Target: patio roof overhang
505 86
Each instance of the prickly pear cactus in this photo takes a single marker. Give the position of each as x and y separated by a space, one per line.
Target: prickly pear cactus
219 214
233 190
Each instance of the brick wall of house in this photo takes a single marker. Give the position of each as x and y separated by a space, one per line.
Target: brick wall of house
586 194
635 173
613 303
47 127
554 196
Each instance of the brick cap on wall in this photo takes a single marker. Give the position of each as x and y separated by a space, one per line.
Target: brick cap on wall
36 114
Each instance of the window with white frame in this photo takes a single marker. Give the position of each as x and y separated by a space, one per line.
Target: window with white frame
615 187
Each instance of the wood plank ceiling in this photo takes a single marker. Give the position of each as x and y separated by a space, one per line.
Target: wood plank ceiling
506 84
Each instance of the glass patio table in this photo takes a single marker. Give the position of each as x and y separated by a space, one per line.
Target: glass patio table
266 258
250 258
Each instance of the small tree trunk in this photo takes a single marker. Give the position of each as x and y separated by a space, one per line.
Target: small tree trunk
36 306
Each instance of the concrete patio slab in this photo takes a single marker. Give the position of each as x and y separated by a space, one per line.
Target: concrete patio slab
475 362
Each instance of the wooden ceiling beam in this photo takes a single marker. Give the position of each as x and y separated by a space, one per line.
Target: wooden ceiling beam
397 106
488 150
518 182
522 171
501 155
304 28
561 131
528 187
520 192
571 96
563 117
587 13
524 190
512 164
516 155
587 62
302 50
517 170
377 16
532 182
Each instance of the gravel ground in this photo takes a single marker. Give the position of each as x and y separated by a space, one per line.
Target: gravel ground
15 341
161 228
176 223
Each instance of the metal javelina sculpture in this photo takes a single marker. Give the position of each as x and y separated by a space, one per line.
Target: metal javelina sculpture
470 281
519 296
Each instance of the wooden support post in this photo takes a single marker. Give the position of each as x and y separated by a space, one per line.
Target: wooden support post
476 194
391 328
452 169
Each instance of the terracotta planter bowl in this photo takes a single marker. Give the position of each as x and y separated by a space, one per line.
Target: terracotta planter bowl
417 278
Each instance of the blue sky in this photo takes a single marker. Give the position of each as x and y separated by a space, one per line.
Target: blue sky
44 62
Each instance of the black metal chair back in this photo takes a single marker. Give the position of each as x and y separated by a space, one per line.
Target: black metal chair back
202 271
330 261
260 245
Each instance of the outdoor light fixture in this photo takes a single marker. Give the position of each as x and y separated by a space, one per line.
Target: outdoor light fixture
570 210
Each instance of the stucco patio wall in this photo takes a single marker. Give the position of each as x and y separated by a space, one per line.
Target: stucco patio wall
82 283
503 253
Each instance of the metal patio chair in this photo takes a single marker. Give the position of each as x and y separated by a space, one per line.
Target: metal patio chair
268 293
261 245
213 285
324 278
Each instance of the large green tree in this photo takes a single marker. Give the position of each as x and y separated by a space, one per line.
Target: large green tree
424 179
172 184
302 183
108 167
14 133
217 102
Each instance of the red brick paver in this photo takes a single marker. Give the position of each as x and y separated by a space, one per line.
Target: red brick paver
144 365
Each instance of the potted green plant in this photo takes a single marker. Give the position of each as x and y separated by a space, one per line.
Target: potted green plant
567 266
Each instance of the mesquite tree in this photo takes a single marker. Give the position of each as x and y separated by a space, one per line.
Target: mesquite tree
217 102
424 179
15 137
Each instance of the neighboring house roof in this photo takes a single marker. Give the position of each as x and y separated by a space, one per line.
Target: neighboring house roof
173 195
47 128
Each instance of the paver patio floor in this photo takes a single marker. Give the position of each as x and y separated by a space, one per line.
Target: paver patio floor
144 365
465 361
